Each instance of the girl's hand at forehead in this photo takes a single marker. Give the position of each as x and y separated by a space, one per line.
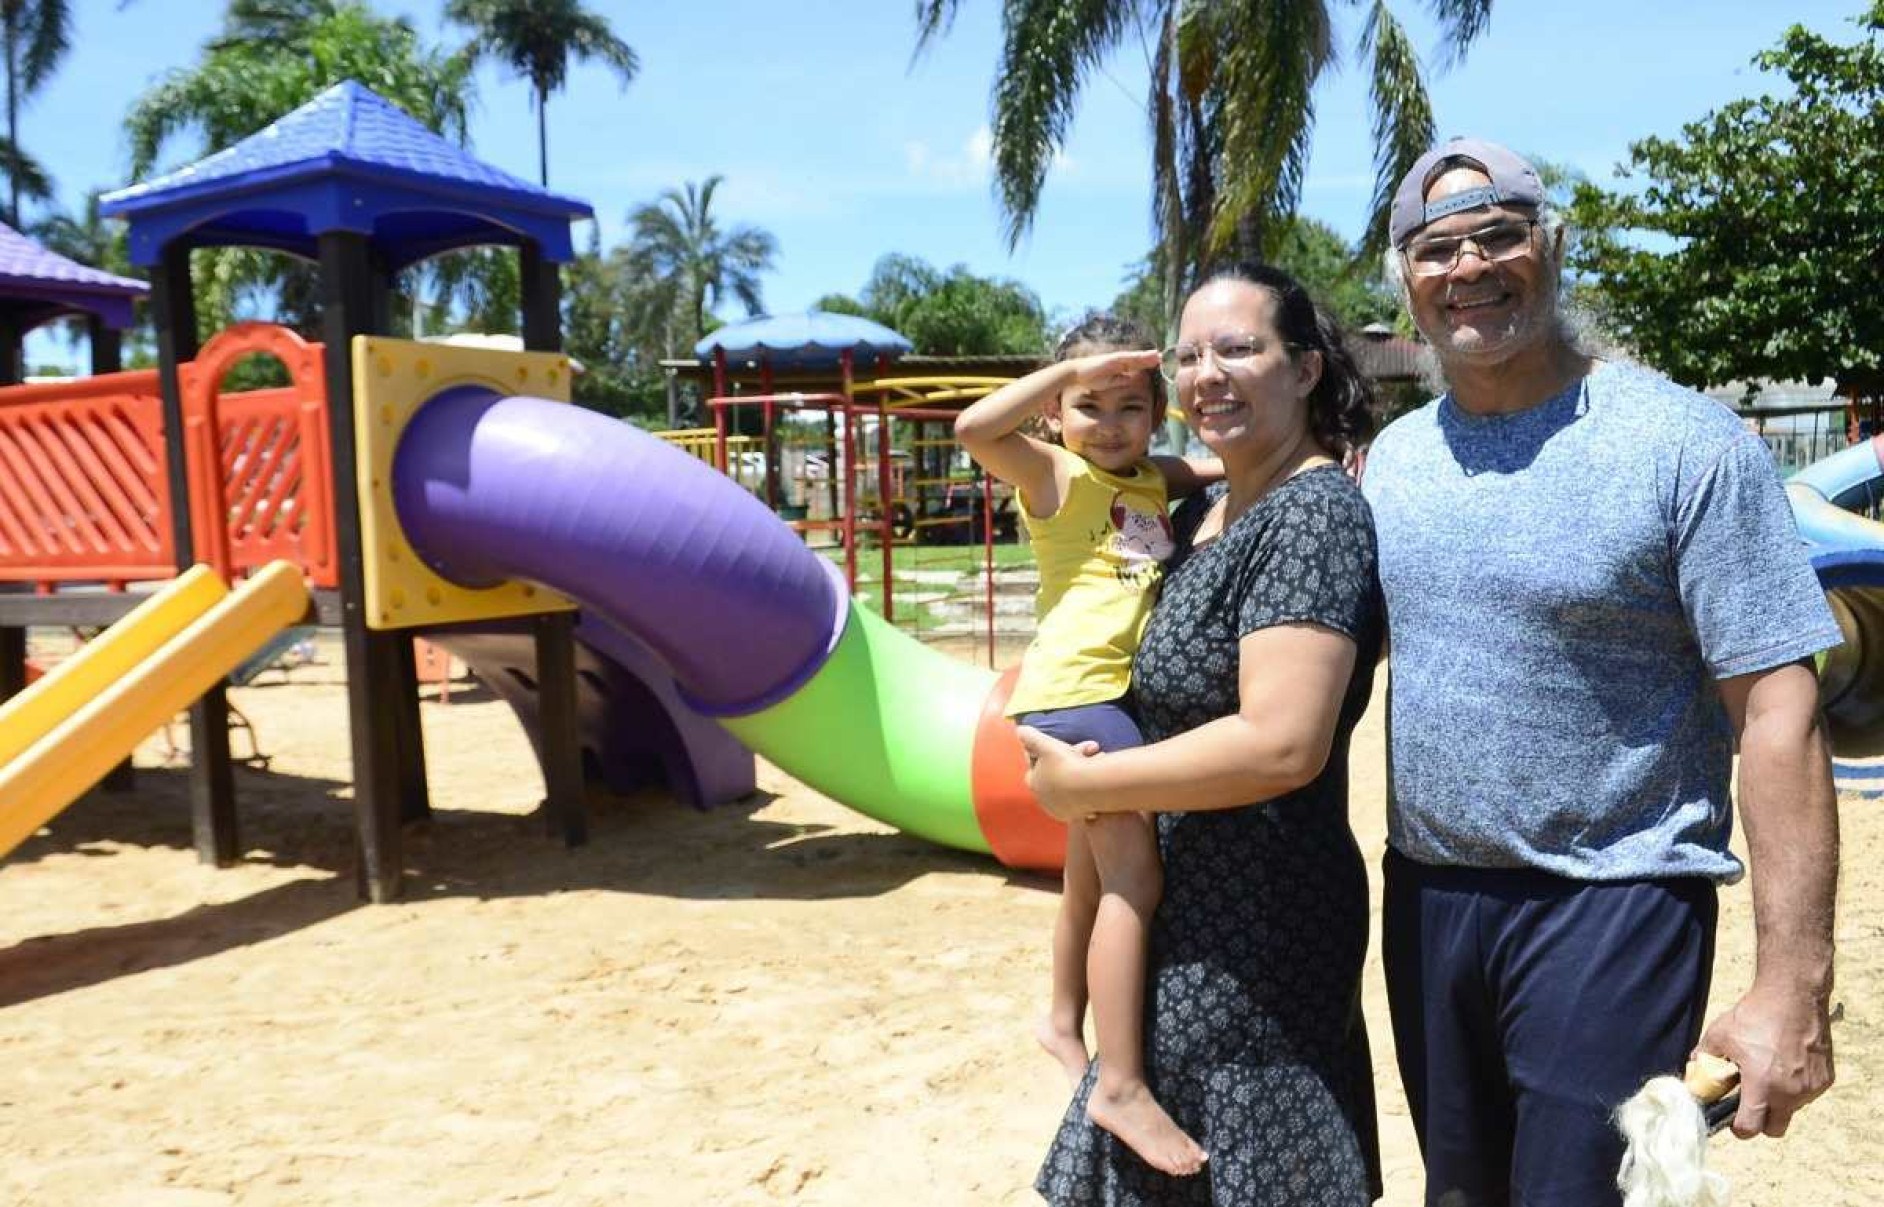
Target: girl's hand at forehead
1106 370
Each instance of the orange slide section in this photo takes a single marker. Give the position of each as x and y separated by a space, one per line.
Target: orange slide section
64 733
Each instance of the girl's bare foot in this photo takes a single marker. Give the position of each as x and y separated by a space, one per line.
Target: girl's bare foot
1067 1047
1134 1116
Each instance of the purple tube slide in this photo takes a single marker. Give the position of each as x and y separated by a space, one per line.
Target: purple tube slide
489 488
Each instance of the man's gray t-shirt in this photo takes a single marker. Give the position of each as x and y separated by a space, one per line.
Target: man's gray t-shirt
1563 587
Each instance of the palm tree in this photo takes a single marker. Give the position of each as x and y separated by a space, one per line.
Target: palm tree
1230 102
37 34
678 243
537 38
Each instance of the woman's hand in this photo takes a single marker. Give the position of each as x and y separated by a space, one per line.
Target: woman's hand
1055 773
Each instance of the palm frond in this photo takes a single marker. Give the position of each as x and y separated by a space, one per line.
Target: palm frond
1263 98
591 38
26 174
934 19
1462 22
1049 47
46 35
1403 116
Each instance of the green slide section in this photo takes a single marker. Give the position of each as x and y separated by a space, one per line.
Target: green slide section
886 727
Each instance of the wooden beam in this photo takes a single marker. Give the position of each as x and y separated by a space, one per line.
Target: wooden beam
212 774
373 664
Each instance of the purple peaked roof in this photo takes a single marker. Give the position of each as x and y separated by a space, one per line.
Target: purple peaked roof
37 285
348 160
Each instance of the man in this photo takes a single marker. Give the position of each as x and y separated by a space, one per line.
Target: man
1593 591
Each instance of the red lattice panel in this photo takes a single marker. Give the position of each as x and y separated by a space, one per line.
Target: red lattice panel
271 493
82 489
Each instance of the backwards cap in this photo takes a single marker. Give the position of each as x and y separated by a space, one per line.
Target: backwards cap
1512 180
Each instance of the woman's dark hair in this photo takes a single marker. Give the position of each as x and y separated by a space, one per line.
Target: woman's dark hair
1100 331
1341 411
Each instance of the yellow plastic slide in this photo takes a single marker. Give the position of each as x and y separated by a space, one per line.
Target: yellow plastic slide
60 736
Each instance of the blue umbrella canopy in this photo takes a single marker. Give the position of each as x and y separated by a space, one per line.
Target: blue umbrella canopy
812 340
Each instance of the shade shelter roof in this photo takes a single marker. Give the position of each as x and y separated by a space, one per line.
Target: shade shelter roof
815 339
348 160
38 285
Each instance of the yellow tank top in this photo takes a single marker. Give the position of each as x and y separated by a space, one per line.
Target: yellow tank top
1101 557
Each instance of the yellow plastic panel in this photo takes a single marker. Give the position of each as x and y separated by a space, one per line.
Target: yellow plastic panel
76 753
392 379
66 688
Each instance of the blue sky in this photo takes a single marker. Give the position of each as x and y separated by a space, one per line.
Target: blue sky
830 137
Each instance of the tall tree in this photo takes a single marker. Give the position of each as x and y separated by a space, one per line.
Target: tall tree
678 241
537 38
270 57
1230 101
1767 218
37 33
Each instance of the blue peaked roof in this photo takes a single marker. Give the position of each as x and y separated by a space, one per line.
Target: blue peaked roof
812 340
348 160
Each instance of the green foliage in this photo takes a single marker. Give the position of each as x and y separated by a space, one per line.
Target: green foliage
536 39
841 303
1345 282
1143 298
953 313
1312 251
34 36
1766 218
1230 101
606 327
248 77
476 289
270 57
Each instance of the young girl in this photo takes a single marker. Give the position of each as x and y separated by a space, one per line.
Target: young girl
1095 506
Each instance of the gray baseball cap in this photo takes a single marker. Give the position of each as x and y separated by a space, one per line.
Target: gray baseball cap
1512 180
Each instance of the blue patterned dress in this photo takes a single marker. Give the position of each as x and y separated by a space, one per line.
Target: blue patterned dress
1256 1044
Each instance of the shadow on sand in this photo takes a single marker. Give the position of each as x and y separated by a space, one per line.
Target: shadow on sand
638 844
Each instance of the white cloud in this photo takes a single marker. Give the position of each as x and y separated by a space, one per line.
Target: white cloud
968 167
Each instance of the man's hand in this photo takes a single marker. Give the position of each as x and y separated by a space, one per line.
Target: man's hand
1055 772
1781 1038
1780 1032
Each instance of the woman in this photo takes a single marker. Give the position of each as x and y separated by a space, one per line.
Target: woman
1254 668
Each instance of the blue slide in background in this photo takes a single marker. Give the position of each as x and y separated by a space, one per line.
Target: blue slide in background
1831 500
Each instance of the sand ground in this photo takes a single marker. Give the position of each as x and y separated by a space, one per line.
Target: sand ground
774 1001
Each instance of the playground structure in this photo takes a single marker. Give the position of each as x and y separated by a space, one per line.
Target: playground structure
871 462
873 486
401 488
